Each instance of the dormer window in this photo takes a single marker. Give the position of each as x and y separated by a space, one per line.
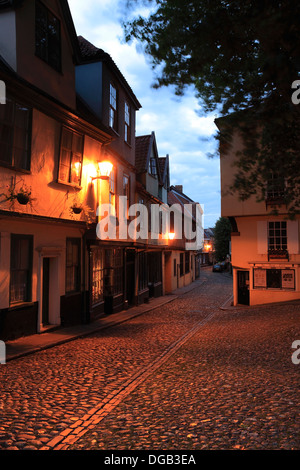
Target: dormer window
113 121
152 167
127 123
47 36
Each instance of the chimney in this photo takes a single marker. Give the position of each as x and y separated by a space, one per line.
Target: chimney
179 188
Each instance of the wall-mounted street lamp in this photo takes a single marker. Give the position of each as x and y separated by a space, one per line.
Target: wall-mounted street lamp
104 170
171 236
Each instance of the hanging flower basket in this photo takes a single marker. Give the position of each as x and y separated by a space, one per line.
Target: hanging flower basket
76 209
23 198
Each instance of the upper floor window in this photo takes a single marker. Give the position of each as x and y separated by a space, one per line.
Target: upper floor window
15 132
113 121
152 167
277 235
127 124
47 36
71 155
275 189
126 191
112 192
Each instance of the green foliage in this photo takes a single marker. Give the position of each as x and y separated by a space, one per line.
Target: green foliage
241 58
222 233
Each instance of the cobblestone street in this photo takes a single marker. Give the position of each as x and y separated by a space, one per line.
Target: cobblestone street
186 376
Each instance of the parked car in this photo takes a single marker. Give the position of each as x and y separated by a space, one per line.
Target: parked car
219 267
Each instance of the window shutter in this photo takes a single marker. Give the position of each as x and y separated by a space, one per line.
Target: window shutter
293 236
262 237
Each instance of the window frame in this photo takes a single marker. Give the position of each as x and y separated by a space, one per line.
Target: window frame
187 262
27 136
127 123
74 241
97 274
126 193
28 297
181 264
113 107
46 54
72 154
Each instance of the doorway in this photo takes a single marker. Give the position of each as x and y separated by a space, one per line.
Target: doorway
243 287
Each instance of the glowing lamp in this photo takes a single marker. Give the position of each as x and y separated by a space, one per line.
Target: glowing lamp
171 236
105 169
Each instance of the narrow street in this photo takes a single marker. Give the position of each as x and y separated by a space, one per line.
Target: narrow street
186 376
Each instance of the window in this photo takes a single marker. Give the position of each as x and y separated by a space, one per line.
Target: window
277 235
274 278
113 121
187 262
112 192
275 189
21 268
47 36
126 191
127 124
181 265
113 279
73 265
71 155
143 271
155 267
97 275
152 167
15 132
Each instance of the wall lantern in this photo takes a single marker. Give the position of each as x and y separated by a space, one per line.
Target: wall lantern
105 169
171 236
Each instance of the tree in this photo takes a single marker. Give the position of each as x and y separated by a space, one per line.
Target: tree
242 58
222 234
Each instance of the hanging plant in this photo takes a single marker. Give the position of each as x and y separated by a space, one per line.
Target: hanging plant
22 195
78 207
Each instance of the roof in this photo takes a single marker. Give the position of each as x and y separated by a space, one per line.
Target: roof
142 151
208 233
175 197
90 53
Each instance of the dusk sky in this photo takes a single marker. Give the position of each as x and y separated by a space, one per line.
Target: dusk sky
181 128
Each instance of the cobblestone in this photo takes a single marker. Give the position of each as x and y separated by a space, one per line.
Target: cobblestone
229 385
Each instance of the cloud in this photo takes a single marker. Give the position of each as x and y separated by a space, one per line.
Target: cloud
181 129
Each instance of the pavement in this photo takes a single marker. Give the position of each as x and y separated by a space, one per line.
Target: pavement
47 339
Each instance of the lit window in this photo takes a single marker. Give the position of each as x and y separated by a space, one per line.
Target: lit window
71 155
112 192
97 274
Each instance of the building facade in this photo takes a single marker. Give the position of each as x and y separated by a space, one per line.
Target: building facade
264 241
69 167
